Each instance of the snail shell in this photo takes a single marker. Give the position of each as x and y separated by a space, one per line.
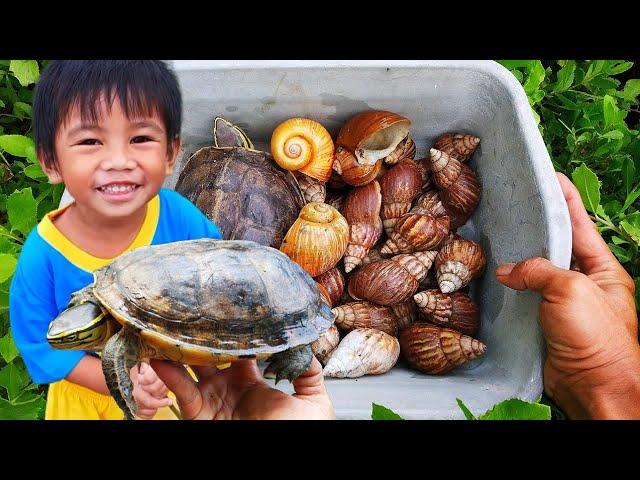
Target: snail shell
456 311
324 293
430 203
351 172
373 255
363 351
313 190
333 283
457 263
327 342
399 186
335 181
336 199
373 135
362 212
424 165
405 149
365 315
457 145
392 280
437 350
318 239
459 187
414 232
406 313
304 145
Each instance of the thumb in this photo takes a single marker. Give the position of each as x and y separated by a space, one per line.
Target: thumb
536 274
178 380
310 382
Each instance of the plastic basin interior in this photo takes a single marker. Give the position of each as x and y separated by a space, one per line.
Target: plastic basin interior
522 212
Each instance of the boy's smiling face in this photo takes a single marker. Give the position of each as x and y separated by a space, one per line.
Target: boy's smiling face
112 167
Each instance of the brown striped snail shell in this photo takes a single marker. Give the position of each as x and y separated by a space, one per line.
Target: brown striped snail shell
351 172
373 255
365 315
324 293
335 181
362 212
457 145
457 263
406 312
424 165
325 344
392 280
456 310
372 135
363 351
406 149
399 186
430 203
437 350
459 187
313 190
333 283
414 232
318 239
304 145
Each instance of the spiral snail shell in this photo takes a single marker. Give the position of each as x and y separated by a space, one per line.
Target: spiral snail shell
456 311
413 232
362 212
304 145
351 172
457 145
457 263
406 312
399 186
333 283
406 149
327 342
365 315
313 190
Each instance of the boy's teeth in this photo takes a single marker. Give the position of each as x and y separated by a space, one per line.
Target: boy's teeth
118 188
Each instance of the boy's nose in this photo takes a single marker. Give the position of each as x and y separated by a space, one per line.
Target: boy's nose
119 160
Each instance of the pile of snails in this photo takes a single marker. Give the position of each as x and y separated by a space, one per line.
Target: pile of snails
378 234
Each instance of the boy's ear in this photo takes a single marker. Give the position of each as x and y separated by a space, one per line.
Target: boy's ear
52 172
173 155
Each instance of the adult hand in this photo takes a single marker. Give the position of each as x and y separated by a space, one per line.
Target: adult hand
149 392
240 392
589 321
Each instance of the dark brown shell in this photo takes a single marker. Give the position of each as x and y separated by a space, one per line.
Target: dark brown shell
457 310
365 315
333 282
243 192
458 145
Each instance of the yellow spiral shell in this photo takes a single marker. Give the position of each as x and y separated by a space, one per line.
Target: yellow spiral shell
303 145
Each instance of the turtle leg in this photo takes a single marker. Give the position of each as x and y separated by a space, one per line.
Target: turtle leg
289 364
119 356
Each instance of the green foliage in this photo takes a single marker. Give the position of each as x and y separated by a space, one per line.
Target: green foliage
589 122
25 196
378 412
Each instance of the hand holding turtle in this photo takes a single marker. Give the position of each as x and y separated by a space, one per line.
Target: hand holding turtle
240 392
589 321
149 392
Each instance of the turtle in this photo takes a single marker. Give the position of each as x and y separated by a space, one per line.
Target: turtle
196 302
240 189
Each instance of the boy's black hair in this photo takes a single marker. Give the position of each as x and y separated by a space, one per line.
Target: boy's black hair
141 86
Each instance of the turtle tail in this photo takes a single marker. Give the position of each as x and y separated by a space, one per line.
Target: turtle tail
119 356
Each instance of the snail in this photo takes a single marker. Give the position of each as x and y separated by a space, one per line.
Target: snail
429 203
392 280
362 212
336 199
406 149
324 345
304 145
324 293
457 145
424 165
318 239
406 313
457 263
372 135
458 185
456 310
414 232
363 351
333 283
365 315
437 350
335 181
351 172
373 255
399 186
313 190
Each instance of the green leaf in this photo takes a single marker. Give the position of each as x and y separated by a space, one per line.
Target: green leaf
379 412
612 208
610 110
465 410
631 230
26 71
30 410
11 380
8 348
618 241
22 110
631 90
628 173
621 254
515 409
619 68
34 171
7 266
632 197
587 184
536 76
613 135
16 144
565 77
22 208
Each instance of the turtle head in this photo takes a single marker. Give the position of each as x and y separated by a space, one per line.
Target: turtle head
82 327
226 134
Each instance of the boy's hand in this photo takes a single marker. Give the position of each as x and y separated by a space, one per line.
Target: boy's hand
149 392
589 321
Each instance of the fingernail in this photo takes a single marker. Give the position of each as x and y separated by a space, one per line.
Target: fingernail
504 269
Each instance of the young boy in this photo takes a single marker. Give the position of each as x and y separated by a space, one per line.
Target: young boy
108 130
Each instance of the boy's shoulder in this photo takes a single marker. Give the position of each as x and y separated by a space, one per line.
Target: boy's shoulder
180 219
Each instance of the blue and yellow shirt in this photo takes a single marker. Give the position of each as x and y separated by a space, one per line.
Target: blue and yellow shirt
51 268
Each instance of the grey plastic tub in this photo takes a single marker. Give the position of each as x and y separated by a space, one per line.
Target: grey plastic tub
522 212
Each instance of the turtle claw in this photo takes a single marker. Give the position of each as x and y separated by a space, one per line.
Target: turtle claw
289 364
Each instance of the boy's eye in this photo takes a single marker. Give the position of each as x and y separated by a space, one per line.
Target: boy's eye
88 141
141 139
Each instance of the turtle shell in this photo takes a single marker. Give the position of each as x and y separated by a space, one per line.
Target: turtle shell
198 299
243 192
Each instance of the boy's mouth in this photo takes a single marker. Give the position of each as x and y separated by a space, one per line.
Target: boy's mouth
118 191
